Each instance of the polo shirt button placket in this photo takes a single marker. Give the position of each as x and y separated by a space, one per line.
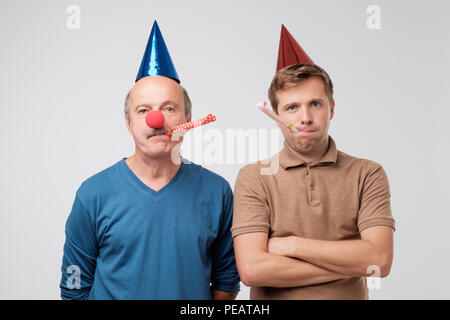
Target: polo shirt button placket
308 183
311 187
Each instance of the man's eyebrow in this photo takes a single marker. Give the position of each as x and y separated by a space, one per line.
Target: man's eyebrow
171 102
145 105
308 102
316 99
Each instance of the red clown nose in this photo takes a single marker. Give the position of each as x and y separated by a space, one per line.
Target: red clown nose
154 119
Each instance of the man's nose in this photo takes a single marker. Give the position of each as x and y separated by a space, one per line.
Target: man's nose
305 116
154 119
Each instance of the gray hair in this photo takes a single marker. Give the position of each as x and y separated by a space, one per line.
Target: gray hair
187 104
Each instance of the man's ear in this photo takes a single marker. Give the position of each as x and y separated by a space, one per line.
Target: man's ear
275 111
332 109
128 124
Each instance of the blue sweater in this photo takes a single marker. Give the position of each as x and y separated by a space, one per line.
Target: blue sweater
127 241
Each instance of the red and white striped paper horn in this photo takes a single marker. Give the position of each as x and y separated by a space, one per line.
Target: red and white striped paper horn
189 125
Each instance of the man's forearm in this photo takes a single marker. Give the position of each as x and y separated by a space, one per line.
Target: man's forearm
278 271
349 257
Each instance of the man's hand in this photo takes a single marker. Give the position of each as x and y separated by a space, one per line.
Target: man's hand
223 295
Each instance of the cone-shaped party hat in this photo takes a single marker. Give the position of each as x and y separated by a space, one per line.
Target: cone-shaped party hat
289 51
156 60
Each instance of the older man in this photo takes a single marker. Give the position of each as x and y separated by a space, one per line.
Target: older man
322 223
152 226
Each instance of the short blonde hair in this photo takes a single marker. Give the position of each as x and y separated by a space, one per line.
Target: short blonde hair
292 75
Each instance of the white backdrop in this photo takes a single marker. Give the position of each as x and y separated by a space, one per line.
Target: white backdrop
62 92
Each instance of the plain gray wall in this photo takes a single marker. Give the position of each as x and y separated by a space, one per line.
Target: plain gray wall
62 95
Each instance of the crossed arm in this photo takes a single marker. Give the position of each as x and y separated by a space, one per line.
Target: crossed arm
295 261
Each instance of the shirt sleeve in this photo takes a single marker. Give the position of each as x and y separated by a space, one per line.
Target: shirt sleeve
375 206
80 253
224 275
251 208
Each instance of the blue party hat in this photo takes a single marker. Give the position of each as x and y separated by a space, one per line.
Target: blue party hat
156 60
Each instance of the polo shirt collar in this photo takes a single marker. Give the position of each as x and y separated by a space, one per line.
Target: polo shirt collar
291 158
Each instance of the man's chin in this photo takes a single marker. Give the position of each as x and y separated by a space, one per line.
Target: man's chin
304 145
157 149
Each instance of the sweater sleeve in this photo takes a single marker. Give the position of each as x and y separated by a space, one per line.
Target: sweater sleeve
225 276
80 253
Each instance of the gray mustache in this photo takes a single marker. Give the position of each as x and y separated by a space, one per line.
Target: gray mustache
156 132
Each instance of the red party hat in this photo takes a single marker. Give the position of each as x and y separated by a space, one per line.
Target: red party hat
289 51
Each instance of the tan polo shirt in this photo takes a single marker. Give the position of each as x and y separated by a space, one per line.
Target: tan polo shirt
332 199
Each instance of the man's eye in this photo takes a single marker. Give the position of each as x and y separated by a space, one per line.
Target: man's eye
170 109
142 111
315 103
292 107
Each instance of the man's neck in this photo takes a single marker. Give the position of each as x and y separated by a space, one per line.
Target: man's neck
153 172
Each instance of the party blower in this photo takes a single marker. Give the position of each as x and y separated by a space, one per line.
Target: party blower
155 119
274 116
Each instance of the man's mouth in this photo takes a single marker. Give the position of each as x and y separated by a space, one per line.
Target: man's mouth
305 131
156 132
